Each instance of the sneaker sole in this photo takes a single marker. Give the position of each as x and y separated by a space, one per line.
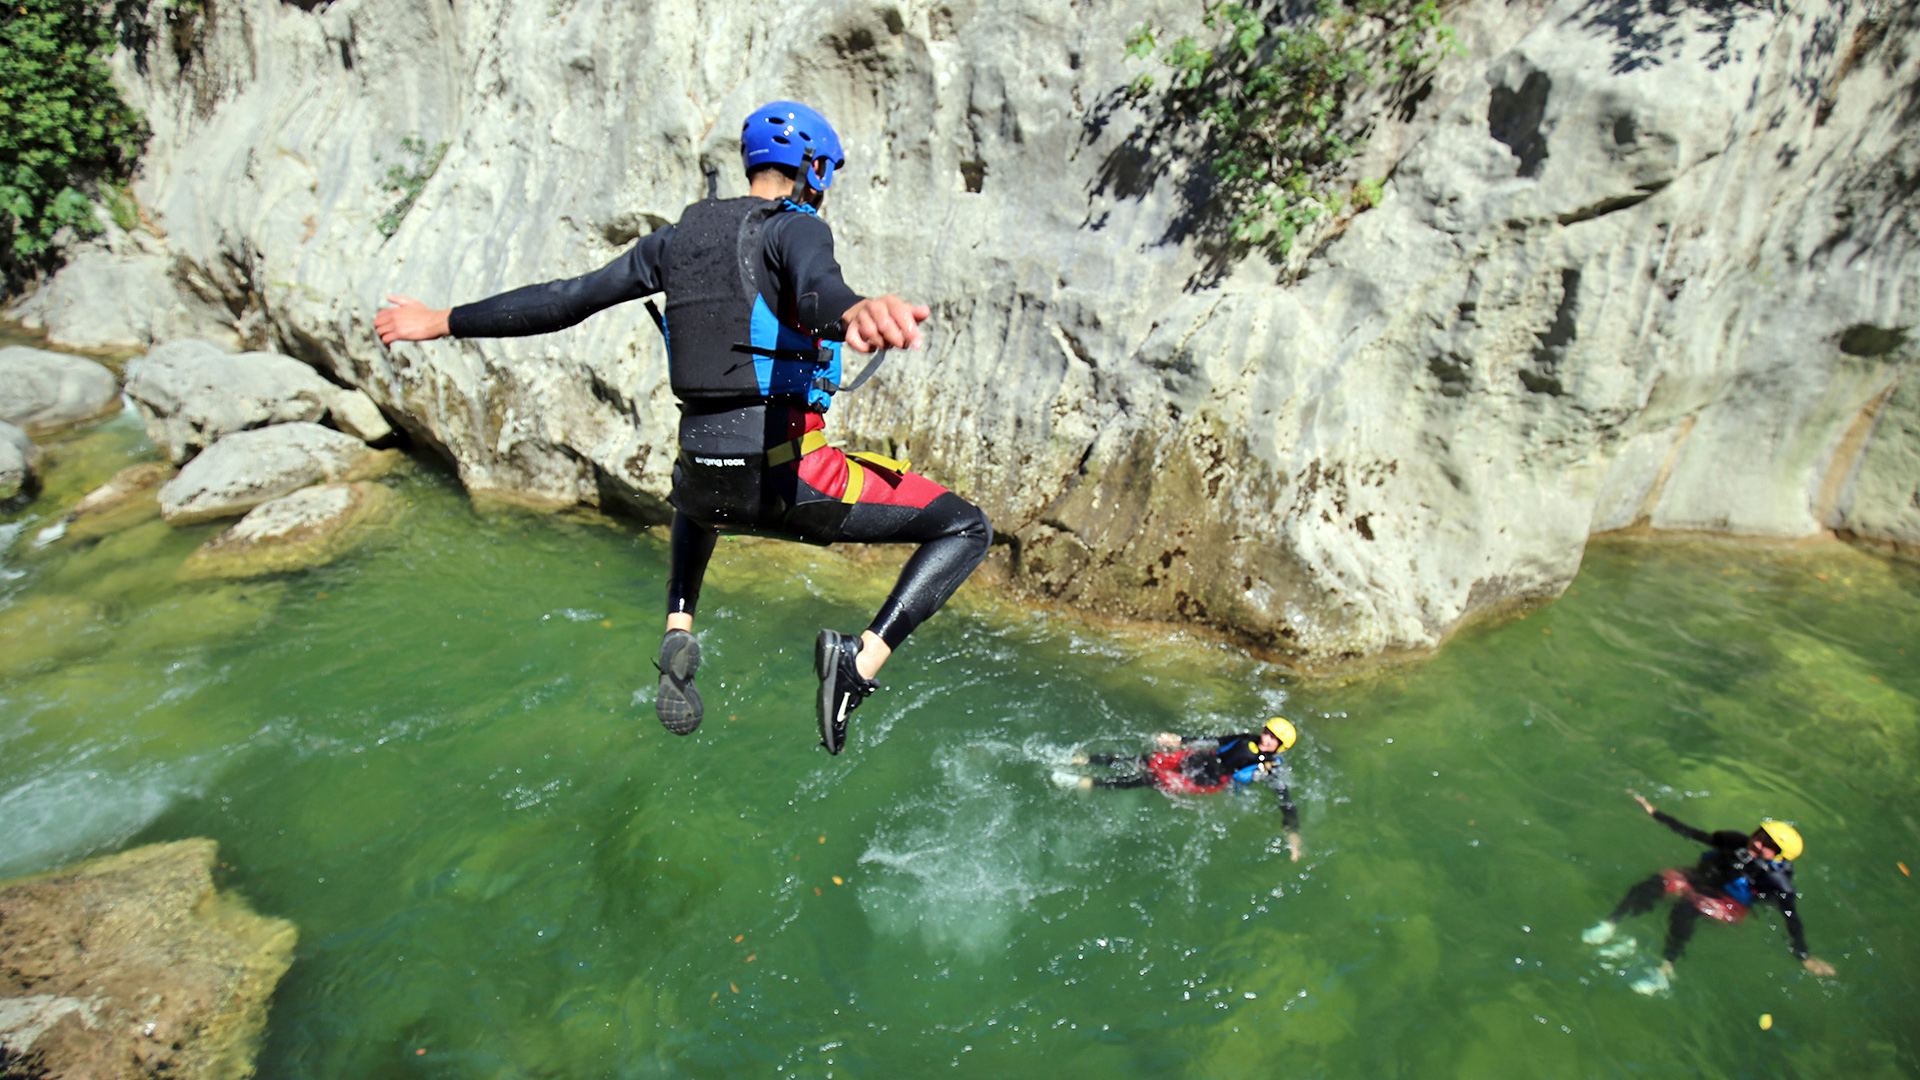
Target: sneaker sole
826 665
677 703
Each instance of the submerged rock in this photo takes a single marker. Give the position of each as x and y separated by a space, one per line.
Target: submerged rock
307 528
135 966
131 497
42 630
19 460
45 391
192 393
248 468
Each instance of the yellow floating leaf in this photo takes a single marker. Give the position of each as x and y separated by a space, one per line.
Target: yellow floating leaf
1766 1021
837 881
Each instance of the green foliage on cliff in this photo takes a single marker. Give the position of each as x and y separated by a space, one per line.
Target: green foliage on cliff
1274 99
408 179
67 138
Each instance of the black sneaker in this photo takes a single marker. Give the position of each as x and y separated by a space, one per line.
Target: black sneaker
677 702
842 688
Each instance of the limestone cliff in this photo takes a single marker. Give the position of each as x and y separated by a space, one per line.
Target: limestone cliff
1639 264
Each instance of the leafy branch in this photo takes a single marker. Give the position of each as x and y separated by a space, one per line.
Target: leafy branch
408 180
67 138
1274 100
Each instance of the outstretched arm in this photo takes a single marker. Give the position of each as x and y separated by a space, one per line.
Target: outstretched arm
884 322
1671 822
1289 818
532 309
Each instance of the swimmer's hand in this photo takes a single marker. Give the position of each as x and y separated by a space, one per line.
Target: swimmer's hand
1167 739
1817 966
884 322
409 320
1293 846
1644 804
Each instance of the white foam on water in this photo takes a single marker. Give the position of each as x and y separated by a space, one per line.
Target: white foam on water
70 813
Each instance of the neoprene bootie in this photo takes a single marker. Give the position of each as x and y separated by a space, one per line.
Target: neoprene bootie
677 703
842 687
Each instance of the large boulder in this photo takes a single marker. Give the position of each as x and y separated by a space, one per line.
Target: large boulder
45 391
192 393
18 461
118 295
248 468
310 527
134 966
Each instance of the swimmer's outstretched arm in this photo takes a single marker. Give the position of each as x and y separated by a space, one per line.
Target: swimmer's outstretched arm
1671 822
1289 818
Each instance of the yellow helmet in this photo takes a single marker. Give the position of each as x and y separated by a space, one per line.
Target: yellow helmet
1786 839
1284 732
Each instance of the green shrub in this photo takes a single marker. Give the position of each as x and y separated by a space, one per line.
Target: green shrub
408 180
1273 99
67 138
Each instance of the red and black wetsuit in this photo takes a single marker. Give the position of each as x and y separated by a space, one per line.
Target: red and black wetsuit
1726 881
1203 765
751 458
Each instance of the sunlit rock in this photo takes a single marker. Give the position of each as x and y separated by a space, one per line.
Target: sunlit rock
307 528
132 496
18 461
191 393
118 294
44 392
247 468
134 965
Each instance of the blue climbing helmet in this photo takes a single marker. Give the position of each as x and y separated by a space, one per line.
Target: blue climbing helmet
789 133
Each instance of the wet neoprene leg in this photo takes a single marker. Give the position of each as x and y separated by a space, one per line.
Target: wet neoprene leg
1640 898
1679 929
688 551
953 535
1136 780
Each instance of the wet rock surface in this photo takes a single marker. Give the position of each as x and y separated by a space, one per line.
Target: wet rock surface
247 468
134 965
129 498
43 392
307 528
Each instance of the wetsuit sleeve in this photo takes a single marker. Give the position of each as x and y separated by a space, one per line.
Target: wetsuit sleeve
1289 816
799 249
556 305
1781 886
1684 829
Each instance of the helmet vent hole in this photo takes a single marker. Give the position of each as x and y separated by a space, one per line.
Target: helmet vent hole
782 140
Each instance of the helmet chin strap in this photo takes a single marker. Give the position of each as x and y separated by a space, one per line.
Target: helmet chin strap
803 189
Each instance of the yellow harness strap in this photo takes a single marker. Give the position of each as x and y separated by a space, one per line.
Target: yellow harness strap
795 449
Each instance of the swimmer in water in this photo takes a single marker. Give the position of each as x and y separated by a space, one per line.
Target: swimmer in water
1737 872
1201 765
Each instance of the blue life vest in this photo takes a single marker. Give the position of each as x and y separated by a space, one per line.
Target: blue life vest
723 341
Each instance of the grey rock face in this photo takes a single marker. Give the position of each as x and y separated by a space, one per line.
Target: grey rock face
248 468
130 497
191 393
1638 265
18 457
118 295
44 392
133 965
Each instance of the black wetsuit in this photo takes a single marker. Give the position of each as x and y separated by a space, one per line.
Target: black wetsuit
1726 872
819 496
1210 762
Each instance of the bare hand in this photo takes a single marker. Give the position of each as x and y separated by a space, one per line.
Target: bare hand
884 322
409 320
1293 845
1819 967
1166 738
1644 804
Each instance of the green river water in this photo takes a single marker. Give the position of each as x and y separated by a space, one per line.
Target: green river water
429 756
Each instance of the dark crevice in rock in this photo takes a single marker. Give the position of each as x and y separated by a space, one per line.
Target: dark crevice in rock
1864 339
1608 206
1513 118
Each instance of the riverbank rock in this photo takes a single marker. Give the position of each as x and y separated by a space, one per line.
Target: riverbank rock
247 468
191 393
44 392
310 527
134 966
129 498
19 460
117 295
